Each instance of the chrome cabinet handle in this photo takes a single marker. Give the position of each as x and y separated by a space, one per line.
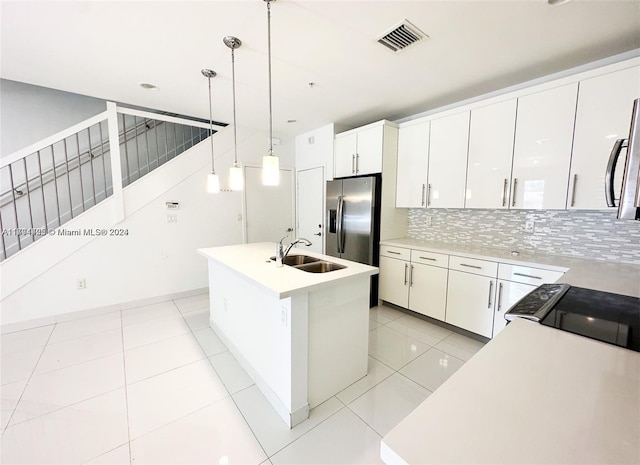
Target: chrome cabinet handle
513 193
527 275
573 191
405 273
500 297
429 258
411 277
423 189
357 163
318 234
353 163
428 195
471 266
504 192
490 292
394 253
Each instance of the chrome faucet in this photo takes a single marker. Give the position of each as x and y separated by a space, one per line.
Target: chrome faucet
281 252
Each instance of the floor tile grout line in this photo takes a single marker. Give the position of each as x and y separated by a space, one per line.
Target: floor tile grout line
28 381
126 390
364 421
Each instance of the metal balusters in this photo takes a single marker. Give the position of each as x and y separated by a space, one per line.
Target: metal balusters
66 161
28 189
80 174
15 208
93 177
126 152
44 204
55 183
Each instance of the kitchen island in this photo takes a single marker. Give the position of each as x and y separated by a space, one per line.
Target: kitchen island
533 394
301 336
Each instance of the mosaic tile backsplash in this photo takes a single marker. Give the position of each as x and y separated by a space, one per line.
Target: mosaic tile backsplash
586 234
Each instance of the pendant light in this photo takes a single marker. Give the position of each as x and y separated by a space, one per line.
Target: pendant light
236 178
270 162
213 180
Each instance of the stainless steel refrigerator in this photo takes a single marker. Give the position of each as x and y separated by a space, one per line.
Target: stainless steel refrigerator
629 204
353 222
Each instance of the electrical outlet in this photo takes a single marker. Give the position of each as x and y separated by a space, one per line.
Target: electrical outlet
81 283
529 226
428 221
172 218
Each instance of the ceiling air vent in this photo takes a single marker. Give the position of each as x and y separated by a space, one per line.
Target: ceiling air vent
401 36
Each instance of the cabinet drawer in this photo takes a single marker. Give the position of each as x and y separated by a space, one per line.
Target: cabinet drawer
527 275
395 252
473 265
430 258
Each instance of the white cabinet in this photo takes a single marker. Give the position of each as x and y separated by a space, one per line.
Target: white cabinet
542 152
448 146
603 115
413 156
470 299
359 152
491 136
414 279
509 293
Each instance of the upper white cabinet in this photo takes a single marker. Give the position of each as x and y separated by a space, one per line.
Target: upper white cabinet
413 156
542 151
359 152
448 144
491 136
603 115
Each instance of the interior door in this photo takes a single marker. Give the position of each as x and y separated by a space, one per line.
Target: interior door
268 209
310 207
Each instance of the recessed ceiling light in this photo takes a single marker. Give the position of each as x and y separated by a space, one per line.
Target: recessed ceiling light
148 86
292 121
557 2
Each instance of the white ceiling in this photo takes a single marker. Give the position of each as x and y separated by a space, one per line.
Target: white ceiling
106 48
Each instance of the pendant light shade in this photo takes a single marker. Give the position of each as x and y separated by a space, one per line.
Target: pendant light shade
270 170
236 178
213 180
270 163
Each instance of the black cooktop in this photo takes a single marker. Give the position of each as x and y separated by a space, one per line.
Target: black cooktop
603 316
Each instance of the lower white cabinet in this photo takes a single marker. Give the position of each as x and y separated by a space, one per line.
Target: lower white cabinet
393 283
428 290
509 293
470 300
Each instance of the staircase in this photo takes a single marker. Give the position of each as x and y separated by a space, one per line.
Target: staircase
47 184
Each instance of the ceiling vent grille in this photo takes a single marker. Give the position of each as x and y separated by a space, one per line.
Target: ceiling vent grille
401 36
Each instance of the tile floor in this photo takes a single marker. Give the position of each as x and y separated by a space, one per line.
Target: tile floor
154 385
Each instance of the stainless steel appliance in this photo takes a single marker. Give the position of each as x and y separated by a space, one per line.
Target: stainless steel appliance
353 222
603 316
629 204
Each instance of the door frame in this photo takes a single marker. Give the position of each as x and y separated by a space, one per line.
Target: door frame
244 196
324 202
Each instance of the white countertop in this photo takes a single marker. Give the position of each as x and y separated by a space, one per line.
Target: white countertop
532 395
253 261
618 278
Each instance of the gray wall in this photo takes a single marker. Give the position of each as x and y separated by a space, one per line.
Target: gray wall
585 234
31 113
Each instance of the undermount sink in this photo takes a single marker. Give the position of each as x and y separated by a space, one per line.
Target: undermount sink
310 264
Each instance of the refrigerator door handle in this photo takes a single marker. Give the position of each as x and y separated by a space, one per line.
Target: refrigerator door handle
611 169
339 235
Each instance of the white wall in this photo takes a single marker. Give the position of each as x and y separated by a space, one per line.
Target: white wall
31 113
156 258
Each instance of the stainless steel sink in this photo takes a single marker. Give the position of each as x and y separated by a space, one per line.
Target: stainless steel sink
294 260
320 267
310 264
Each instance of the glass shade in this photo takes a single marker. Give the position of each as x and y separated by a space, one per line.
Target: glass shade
236 179
213 183
270 170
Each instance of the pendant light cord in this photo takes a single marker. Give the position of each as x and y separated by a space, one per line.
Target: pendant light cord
270 97
213 168
235 131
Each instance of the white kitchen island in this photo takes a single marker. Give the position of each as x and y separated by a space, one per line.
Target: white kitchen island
301 336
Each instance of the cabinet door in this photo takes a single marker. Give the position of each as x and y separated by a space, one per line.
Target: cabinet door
428 290
491 135
345 156
508 294
394 281
470 300
603 115
448 146
544 133
369 151
413 157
